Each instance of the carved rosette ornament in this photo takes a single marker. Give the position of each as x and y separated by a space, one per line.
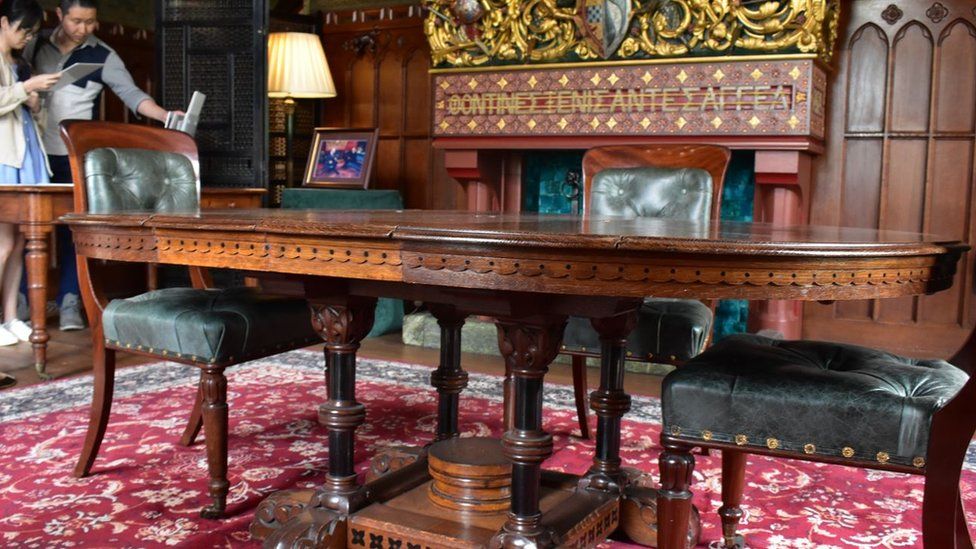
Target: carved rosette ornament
471 33
937 12
892 14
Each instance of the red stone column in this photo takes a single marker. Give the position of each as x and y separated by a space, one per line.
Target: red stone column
782 198
491 178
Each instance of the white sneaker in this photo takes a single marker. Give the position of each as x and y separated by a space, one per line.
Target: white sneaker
7 338
19 328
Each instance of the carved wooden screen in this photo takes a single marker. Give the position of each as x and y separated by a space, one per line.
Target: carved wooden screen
219 47
901 127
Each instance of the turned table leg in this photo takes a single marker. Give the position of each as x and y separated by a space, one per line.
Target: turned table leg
529 346
610 402
449 379
37 260
292 518
342 327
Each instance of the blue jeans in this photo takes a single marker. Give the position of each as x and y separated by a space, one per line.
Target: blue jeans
68 284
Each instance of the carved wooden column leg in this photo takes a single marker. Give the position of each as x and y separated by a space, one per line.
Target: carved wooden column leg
449 379
213 389
528 347
610 402
674 498
295 518
37 260
342 327
733 481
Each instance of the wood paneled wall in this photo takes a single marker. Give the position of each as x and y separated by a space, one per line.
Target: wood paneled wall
380 60
136 47
901 137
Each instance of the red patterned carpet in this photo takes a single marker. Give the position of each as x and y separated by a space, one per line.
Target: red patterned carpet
147 490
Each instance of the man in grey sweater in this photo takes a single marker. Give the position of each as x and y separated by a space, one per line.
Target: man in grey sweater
73 41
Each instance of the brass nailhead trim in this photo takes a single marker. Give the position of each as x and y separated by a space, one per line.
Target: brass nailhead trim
883 457
772 443
741 440
919 462
675 430
809 449
847 452
706 435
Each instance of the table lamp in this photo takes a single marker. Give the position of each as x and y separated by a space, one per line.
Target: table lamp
297 69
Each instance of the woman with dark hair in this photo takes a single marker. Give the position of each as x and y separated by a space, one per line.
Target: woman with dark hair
22 157
74 41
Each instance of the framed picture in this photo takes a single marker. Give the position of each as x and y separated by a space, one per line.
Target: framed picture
341 158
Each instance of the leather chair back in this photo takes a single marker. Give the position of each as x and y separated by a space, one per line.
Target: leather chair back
136 179
676 181
118 167
679 193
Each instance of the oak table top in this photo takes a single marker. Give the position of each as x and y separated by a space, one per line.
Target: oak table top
538 253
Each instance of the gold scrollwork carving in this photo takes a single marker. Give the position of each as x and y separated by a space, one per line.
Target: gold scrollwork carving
509 30
528 31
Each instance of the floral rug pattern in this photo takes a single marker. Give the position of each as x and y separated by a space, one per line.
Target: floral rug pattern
146 490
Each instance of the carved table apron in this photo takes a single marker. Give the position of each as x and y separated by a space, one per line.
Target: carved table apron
529 272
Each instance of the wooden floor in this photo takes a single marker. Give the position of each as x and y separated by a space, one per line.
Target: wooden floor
69 354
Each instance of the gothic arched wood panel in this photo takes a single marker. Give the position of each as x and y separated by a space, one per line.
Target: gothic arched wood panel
867 77
911 77
902 122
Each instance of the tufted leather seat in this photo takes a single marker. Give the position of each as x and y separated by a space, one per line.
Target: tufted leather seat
823 402
810 397
213 326
208 328
668 330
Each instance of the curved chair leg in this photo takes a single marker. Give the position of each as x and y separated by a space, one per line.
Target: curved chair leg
733 481
963 540
213 387
674 498
940 506
579 389
104 371
195 423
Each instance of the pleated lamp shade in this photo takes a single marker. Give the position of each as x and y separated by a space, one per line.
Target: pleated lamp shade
297 67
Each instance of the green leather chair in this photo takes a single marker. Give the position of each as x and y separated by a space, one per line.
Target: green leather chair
825 402
119 167
664 181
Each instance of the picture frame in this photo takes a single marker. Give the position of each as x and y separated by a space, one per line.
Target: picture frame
341 158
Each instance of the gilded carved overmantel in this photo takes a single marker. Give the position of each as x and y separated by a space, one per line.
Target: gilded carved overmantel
474 33
509 75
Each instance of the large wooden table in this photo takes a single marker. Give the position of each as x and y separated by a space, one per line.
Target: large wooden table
529 272
36 208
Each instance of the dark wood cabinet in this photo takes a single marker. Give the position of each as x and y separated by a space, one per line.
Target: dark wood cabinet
219 48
